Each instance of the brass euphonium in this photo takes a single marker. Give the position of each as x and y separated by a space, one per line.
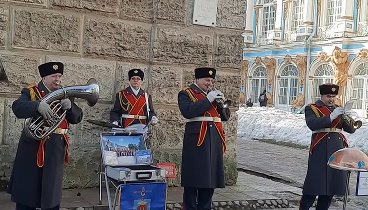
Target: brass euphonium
222 102
39 128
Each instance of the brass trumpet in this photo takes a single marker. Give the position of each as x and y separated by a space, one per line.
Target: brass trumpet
222 102
356 124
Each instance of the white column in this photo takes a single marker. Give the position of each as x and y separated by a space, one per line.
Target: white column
249 16
278 17
347 9
363 11
308 12
249 33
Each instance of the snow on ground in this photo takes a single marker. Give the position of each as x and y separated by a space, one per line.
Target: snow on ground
270 123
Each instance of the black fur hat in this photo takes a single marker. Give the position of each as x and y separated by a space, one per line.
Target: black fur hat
204 72
51 68
136 72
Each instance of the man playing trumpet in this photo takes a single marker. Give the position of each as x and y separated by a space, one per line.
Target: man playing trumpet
204 140
326 122
36 180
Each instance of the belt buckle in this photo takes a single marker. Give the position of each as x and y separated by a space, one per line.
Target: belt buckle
136 117
333 129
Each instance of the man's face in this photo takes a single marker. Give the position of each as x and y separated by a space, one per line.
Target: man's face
53 81
205 83
136 82
328 99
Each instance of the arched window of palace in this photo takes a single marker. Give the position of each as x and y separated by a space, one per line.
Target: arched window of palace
258 82
297 19
323 74
359 85
287 85
268 17
334 8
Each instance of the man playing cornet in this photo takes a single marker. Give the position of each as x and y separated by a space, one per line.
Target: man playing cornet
36 180
204 140
326 122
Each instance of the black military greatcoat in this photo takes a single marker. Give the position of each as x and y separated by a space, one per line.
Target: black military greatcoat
202 166
30 185
123 106
322 179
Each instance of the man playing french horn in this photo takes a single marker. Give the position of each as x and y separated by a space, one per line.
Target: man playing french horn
204 140
326 122
36 180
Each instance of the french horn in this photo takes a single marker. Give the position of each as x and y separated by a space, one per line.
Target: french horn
38 128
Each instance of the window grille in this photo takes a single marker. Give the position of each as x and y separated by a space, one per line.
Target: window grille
258 82
288 85
360 86
334 8
323 74
298 9
268 17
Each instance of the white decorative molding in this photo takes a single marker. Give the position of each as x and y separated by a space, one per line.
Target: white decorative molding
328 32
290 36
362 29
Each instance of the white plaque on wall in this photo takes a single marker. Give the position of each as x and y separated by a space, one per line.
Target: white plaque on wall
205 12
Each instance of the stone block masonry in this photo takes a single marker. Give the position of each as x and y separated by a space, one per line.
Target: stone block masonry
103 40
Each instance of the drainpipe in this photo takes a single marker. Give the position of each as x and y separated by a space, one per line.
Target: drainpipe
308 44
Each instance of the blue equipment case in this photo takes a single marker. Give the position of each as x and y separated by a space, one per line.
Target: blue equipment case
143 196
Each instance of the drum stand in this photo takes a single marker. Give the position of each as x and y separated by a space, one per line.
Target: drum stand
346 190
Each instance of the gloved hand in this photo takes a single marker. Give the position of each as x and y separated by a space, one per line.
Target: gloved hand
336 112
212 95
219 93
66 104
45 110
115 123
154 120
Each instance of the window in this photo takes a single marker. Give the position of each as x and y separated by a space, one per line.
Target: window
323 74
334 8
360 87
288 85
297 14
258 82
269 13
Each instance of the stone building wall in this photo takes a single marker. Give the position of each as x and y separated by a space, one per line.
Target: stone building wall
103 40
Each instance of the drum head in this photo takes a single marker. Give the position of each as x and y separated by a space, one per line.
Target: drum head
349 159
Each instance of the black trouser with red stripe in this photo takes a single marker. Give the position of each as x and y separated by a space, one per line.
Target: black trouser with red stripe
323 202
197 198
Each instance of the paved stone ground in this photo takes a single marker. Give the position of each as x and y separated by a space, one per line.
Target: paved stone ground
288 165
